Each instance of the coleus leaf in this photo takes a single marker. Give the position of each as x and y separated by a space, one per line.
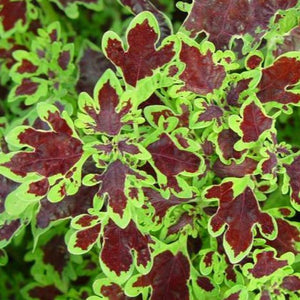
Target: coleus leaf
288 238
248 166
236 91
291 283
56 153
13 15
88 234
253 125
37 291
160 204
6 187
225 141
92 64
186 219
55 253
170 161
111 290
293 171
205 283
201 74
227 19
104 112
238 237
116 257
47 145
154 113
266 263
238 292
142 58
208 114
8 229
138 6
278 79
115 182
30 89
167 267
70 206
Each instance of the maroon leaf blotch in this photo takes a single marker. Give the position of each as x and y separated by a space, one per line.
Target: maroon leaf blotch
201 75
266 264
141 58
168 277
254 123
118 244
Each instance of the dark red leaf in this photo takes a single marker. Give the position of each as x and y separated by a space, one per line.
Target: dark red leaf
211 112
113 185
124 146
266 264
226 140
269 165
265 296
230 273
55 253
205 284
160 204
254 123
208 259
39 188
8 229
223 191
168 277
184 220
224 19
235 90
114 292
138 6
11 12
87 237
253 61
248 166
64 59
49 292
108 120
86 220
286 238
201 75
183 116
291 283
170 160
70 206
239 235
141 58
118 244
293 170
92 65
234 296
55 152
6 187
27 87
277 79
26 67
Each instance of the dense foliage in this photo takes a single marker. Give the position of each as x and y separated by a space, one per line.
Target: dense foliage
150 150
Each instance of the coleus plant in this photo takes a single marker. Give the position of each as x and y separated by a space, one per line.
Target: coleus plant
148 153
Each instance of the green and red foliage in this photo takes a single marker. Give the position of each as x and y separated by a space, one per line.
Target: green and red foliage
149 149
